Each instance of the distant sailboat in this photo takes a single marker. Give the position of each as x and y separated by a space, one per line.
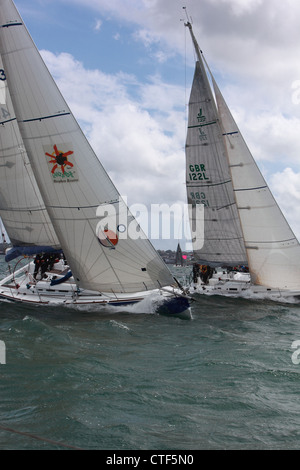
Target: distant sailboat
178 258
52 187
243 224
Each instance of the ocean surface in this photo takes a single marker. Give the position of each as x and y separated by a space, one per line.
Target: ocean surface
227 377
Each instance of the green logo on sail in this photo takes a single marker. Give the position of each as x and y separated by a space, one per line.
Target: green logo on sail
200 116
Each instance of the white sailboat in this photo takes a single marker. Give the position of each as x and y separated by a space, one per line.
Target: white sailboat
243 224
55 197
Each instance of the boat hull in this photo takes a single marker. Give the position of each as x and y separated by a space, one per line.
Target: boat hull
240 285
21 286
174 306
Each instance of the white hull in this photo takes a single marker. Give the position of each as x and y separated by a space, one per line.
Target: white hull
240 285
21 286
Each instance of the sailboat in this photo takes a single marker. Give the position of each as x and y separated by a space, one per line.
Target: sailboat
59 207
178 256
249 247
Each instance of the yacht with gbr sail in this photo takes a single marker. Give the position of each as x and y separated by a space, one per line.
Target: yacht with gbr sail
243 224
57 202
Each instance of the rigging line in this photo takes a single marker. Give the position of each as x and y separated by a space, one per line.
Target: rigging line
33 436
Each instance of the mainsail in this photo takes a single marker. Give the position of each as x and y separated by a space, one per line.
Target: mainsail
72 182
272 250
208 177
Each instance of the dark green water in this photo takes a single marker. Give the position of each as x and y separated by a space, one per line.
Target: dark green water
132 380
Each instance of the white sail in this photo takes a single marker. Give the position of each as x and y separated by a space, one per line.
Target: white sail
272 249
21 205
208 177
72 181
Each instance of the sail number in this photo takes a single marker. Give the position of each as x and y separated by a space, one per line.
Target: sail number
197 173
199 198
2 75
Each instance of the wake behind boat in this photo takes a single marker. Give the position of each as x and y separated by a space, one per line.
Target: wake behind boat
243 224
57 198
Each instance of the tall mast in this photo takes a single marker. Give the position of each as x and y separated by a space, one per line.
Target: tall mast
196 45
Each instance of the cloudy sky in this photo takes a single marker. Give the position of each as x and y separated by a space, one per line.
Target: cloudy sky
126 66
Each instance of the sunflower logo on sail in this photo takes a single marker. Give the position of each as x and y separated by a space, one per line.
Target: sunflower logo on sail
62 168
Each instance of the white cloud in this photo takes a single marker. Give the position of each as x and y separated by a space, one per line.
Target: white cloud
98 25
240 7
140 142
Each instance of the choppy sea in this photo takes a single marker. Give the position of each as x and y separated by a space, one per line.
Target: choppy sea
226 378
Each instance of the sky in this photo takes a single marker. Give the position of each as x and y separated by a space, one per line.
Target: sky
125 68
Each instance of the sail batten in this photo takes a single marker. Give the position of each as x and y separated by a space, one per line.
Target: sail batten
41 118
247 189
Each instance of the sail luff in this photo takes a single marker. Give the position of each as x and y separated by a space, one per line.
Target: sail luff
208 179
102 254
